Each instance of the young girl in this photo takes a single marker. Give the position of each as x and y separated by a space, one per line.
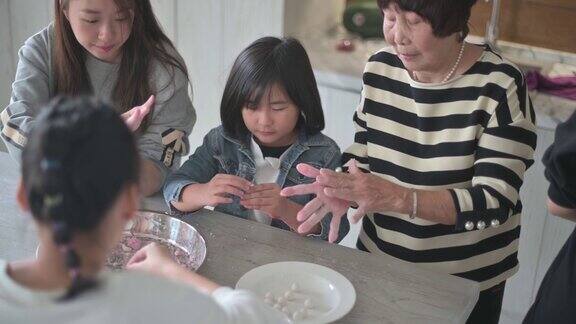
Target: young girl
80 174
271 121
116 50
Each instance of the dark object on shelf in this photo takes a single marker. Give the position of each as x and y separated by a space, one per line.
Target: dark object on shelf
364 18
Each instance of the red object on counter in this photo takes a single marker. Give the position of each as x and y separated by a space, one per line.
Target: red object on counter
345 45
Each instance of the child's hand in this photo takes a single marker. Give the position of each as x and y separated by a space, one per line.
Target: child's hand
156 259
219 189
266 197
151 258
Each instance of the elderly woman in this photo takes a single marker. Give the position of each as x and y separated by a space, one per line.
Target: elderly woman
444 134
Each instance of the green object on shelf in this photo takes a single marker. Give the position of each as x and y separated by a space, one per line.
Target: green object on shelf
364 18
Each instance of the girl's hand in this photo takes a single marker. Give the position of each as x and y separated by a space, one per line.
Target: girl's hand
153 258
319 207
266 197
156 259
134 117
221 187
370 192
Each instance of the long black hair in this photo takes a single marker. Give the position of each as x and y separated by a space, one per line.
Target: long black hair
79 157
265 62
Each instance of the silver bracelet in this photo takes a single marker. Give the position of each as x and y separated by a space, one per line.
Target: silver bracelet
414 204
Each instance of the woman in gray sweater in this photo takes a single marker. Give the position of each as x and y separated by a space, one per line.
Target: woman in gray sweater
117 51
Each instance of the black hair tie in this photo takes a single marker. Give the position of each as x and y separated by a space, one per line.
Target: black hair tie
50 164
62 233
72 260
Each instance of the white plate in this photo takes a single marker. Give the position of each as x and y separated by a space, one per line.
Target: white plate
332 295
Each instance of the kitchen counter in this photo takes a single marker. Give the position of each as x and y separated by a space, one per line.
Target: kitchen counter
343 70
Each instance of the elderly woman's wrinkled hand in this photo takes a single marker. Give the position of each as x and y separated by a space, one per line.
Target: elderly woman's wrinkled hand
370 192
313 212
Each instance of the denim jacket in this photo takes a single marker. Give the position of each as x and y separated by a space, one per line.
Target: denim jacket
220 153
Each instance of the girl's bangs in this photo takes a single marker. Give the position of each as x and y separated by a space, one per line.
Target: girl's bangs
255 88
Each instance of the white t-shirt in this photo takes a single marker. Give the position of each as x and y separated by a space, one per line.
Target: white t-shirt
132 297
267 170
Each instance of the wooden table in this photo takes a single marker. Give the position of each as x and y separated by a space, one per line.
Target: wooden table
388 290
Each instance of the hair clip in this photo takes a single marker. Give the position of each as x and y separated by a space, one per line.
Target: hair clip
75 273
47 164
52 200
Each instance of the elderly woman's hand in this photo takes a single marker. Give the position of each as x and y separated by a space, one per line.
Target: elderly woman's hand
370 192
313 212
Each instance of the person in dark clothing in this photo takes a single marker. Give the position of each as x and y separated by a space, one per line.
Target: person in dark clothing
556 299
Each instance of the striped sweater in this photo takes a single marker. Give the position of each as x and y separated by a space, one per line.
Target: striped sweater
474 136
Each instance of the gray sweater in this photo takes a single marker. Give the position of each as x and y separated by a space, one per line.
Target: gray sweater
133 297
163 142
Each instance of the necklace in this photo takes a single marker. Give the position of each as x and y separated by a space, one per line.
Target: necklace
456 63
449 75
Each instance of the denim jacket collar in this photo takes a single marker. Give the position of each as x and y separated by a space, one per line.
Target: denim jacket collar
303 139
302 144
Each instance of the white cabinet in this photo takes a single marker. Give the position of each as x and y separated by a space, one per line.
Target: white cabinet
339 107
